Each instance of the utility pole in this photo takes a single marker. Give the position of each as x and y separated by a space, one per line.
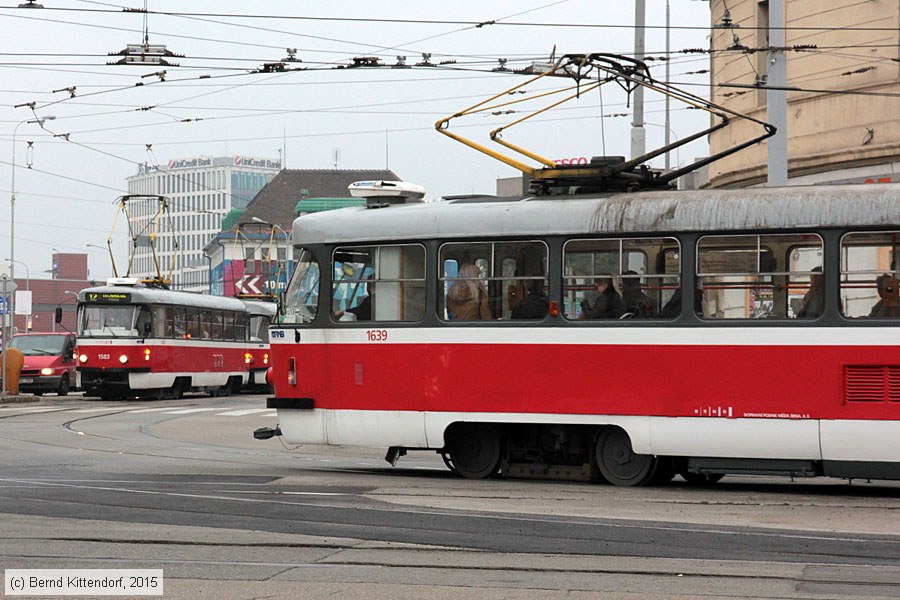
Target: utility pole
668 137
638 133
776 99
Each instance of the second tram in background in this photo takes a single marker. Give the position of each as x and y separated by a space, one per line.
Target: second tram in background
137 341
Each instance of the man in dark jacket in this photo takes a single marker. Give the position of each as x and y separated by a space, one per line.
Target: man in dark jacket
535 305
609 304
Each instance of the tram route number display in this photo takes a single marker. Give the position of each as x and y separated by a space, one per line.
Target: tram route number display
108 297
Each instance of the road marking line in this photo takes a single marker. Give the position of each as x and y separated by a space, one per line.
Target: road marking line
241 413
187 411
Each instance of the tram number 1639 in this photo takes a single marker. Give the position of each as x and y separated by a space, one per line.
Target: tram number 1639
377 335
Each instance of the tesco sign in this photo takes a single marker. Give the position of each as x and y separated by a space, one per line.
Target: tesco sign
578 160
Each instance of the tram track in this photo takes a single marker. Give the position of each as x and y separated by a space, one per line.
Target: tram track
68 426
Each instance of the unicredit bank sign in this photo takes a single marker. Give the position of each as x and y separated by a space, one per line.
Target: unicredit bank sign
190 163
265 163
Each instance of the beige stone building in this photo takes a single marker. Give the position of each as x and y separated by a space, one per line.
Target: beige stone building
832 136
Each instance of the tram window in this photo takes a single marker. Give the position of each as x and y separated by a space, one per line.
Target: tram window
205 325
493 280
228 326
240 327
216 325
870 270
192 322
166 321
180 322
379 283
301 298
646 273
756 276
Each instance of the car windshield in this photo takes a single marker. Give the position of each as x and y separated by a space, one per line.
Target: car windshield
39 345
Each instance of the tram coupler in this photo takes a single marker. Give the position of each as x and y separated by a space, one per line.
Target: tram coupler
393 454
265 433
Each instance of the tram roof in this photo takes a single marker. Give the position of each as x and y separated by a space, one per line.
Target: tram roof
260 307
143 295
627 213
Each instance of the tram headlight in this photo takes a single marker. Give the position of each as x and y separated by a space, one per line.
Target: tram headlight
46 371
123 358
82 358
248 358
146 353
266 358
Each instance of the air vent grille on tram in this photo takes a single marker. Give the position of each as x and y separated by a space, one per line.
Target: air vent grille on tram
872 383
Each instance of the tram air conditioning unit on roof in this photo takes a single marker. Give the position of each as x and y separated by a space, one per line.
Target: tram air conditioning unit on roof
381 193
129 281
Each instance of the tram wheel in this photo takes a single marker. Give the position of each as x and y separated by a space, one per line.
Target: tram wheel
618 462
448 462
702 478
665 471
474 451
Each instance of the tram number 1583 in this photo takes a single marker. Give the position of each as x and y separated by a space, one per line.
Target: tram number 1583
377 335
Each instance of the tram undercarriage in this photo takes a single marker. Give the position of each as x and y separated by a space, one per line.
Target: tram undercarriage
116 384
601 454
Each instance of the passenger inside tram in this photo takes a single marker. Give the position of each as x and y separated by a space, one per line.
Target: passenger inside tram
637 305
814 299
363 310
888 305
535 304
608 305
467 298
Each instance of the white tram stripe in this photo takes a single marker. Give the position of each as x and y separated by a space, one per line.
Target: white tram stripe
604 333
241 413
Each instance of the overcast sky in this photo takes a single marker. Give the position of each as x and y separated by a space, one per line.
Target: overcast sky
319 117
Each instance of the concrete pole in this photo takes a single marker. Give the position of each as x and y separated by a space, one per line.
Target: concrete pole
776 100
638 133
668 137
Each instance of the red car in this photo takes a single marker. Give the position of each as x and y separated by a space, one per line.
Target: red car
49 362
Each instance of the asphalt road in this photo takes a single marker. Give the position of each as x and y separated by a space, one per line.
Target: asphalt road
182 486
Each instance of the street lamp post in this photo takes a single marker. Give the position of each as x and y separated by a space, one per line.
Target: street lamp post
27 272
75 294
27 287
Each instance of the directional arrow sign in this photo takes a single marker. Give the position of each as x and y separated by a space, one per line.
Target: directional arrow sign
248 284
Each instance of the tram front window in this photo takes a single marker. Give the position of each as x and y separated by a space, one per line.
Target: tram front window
108 321
302 296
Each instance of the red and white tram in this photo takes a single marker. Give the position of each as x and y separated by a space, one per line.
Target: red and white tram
769 343
257 356
148 342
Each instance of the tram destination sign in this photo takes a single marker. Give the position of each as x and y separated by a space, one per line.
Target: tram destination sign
108 297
